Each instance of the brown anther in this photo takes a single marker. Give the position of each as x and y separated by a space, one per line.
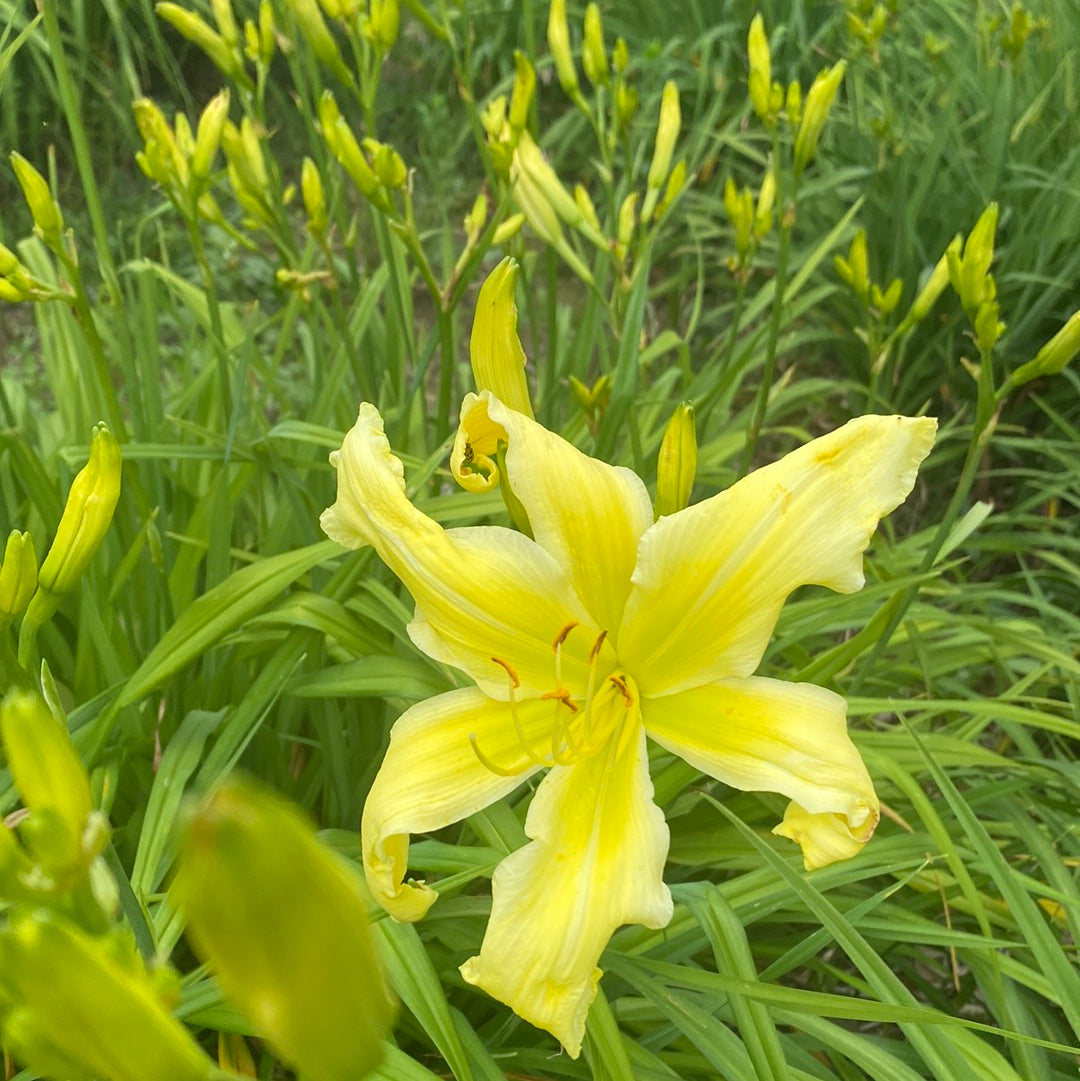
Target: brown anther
595 651
514 681
621 684
561 636
561 694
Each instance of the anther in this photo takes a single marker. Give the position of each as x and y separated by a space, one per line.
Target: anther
508 669
595 651
562 695
561 636
621 684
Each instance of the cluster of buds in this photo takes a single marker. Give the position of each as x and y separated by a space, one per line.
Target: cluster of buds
867 22
854 271
376 168
1015 29
249 174
181 161
969 274
771 101
592 401
751 221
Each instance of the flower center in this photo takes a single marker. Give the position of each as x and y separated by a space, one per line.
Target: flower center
580 726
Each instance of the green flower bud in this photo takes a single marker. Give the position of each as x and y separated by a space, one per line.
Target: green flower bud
48 220
854 271
677 464
626 105
18 576
593 56
311 190
85 521
507 229
667 133
819 101
313 26
627 220
226 22
10 292
620 56
79 1007
558 35
283 923
524 85
384 20
760 79
885 302
763 216
1053 356
208 138
386 164
971 271
186 23
498 361
932 289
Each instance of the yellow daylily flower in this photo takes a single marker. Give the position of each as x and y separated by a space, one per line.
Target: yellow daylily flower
607 628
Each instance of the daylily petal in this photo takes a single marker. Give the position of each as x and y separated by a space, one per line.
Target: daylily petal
472 459
481 592
595 862
589 515
711 579
432 776
764 735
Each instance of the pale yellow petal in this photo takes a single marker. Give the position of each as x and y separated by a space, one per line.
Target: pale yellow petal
595 862
434 774
589 515
486 597
498 361
764 735
472 459
711 579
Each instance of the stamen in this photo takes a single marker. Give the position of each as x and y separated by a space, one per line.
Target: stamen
487 762
560 694
514 681
561 636
621 684
595 651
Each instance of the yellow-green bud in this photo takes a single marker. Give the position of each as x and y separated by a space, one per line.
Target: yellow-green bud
386 164
313 26
524 85
226 22
793 103
10 292
675 184
593 56
498 361
9 261
885 302
311 190
626 105
667 133
620 56
763 216
819 101
627 220
47 770
476 219
208 138
48 221
384 20
739 207
558 35
260 42
586 206
18 576
988 328
855 269
677 463
85 521
189 25
77 1006
932 289
1053 356
760 79
507 229
347 150
283 924
493 118
970 273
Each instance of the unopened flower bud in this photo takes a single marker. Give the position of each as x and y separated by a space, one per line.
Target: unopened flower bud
593 56
854 271
620 56
86 518
316 33
1053 356
763 216
384 21
77 1006
677 463
18 576
521 96
760 79
626 105
311 190
386 163
208 138
558 35
885 302
793 103
819 101
667 133
189 25
932 289
507 229
627 220
304 973
48 220
498 361
970 272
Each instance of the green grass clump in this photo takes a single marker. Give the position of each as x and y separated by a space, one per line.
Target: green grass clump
225 315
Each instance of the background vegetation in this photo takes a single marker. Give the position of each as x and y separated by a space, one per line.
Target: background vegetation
217 628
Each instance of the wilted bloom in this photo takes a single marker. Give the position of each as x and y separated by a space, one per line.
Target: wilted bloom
606 628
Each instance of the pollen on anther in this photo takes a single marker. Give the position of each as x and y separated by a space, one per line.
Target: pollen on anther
561 636
594 652
508 668
621 684
562 695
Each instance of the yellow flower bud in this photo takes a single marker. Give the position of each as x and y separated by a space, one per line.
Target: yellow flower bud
304 972
558 35
208 138
507 229
385 19
793 103
627 220
932 289
855 269
386 164
9 262
476 219
593 56
885 302
311 190
1053 356
675 184
667 132
498 361
189 25
760 80
620 56
524 85
47 770
76 1006
226 22
677 464
973 266
586 206
819 101
48 220
10 292
346 149
739 207
18 576
313 26
85 521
